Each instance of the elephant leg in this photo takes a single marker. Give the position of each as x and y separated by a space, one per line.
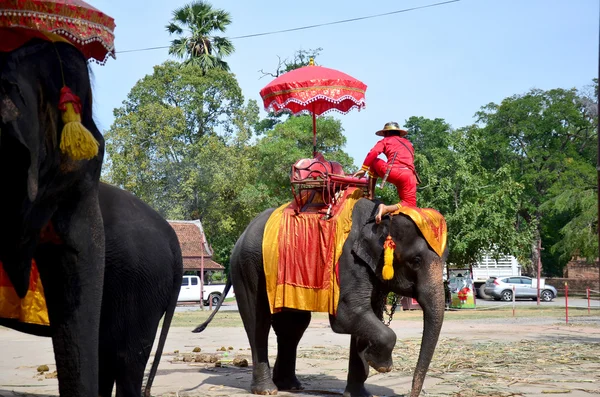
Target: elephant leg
135 346
256 315
289 327
358 369
72 274
130 375
363 324
106 370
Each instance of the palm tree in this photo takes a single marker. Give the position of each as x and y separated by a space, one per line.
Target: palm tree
195 23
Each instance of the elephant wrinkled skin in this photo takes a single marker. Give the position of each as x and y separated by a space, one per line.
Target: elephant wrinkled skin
417 273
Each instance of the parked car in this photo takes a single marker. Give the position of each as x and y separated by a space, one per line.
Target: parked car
190 291
501 288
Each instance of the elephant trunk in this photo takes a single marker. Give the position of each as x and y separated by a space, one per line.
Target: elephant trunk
432 301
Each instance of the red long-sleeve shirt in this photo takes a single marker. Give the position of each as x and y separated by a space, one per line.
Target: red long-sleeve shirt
388 146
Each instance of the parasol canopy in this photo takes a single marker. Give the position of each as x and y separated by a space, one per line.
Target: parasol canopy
314 90
75 21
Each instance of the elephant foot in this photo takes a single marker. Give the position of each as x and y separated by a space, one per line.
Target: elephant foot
356 391
266 388
291 383
377 363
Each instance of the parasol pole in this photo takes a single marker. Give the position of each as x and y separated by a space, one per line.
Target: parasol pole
314 133
312 63
598 158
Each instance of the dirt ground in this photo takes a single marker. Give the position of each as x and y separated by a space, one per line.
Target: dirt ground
475 357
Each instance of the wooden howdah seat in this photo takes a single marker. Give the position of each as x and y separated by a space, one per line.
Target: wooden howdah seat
317 184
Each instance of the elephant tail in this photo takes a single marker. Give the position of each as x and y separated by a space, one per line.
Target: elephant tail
203 326
164 331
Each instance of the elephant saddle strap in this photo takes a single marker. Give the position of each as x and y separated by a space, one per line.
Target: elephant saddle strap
301 251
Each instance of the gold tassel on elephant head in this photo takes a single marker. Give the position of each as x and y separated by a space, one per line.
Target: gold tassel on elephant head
76 141
388 258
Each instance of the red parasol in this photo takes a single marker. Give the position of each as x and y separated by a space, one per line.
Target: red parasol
87 28
314 90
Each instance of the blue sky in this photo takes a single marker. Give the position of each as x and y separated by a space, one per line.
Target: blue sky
444 62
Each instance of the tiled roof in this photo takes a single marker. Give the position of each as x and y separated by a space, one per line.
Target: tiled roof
195 264
193 248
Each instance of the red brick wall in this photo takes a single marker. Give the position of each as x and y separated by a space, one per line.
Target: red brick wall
577 286
577 269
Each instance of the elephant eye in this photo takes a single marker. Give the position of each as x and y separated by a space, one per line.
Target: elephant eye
417 260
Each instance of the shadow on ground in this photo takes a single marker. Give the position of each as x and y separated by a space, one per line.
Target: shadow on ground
236 381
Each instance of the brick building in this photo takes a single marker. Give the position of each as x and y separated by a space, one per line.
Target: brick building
580 275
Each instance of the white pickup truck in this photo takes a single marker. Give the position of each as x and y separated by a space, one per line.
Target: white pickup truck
190 291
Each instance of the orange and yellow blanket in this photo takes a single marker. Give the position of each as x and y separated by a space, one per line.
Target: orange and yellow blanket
301 252
431 224
31 309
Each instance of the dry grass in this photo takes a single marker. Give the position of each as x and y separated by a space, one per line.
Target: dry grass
494 368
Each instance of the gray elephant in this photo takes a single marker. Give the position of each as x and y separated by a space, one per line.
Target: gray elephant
44 189
417 273
141 283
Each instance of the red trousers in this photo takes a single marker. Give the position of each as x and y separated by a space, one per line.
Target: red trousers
402 177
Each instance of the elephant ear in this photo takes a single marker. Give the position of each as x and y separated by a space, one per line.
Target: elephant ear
368 245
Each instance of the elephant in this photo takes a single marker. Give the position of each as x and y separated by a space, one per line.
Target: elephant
45 192
143 273
142 278
417 273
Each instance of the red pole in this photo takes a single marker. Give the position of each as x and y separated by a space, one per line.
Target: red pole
539 265
202 271
314 133
513 300
588 297
567 302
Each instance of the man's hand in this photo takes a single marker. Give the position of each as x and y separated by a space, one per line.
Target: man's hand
359 174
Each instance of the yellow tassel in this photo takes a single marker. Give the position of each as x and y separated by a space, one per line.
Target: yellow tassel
76 141
388 258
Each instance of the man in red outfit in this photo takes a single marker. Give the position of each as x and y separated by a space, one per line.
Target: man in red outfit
400 162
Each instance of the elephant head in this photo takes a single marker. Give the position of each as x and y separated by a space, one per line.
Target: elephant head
34 176
418 271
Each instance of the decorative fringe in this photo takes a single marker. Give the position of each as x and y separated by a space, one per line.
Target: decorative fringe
76 141
388 258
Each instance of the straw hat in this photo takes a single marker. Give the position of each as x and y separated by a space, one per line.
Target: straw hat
391 126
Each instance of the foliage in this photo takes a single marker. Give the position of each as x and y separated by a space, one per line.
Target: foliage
479 205
184 143
180 142
291 141
195 24
547 140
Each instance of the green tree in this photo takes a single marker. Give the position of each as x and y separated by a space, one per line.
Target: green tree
181 142
291 141
480 206
196 24
541 136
